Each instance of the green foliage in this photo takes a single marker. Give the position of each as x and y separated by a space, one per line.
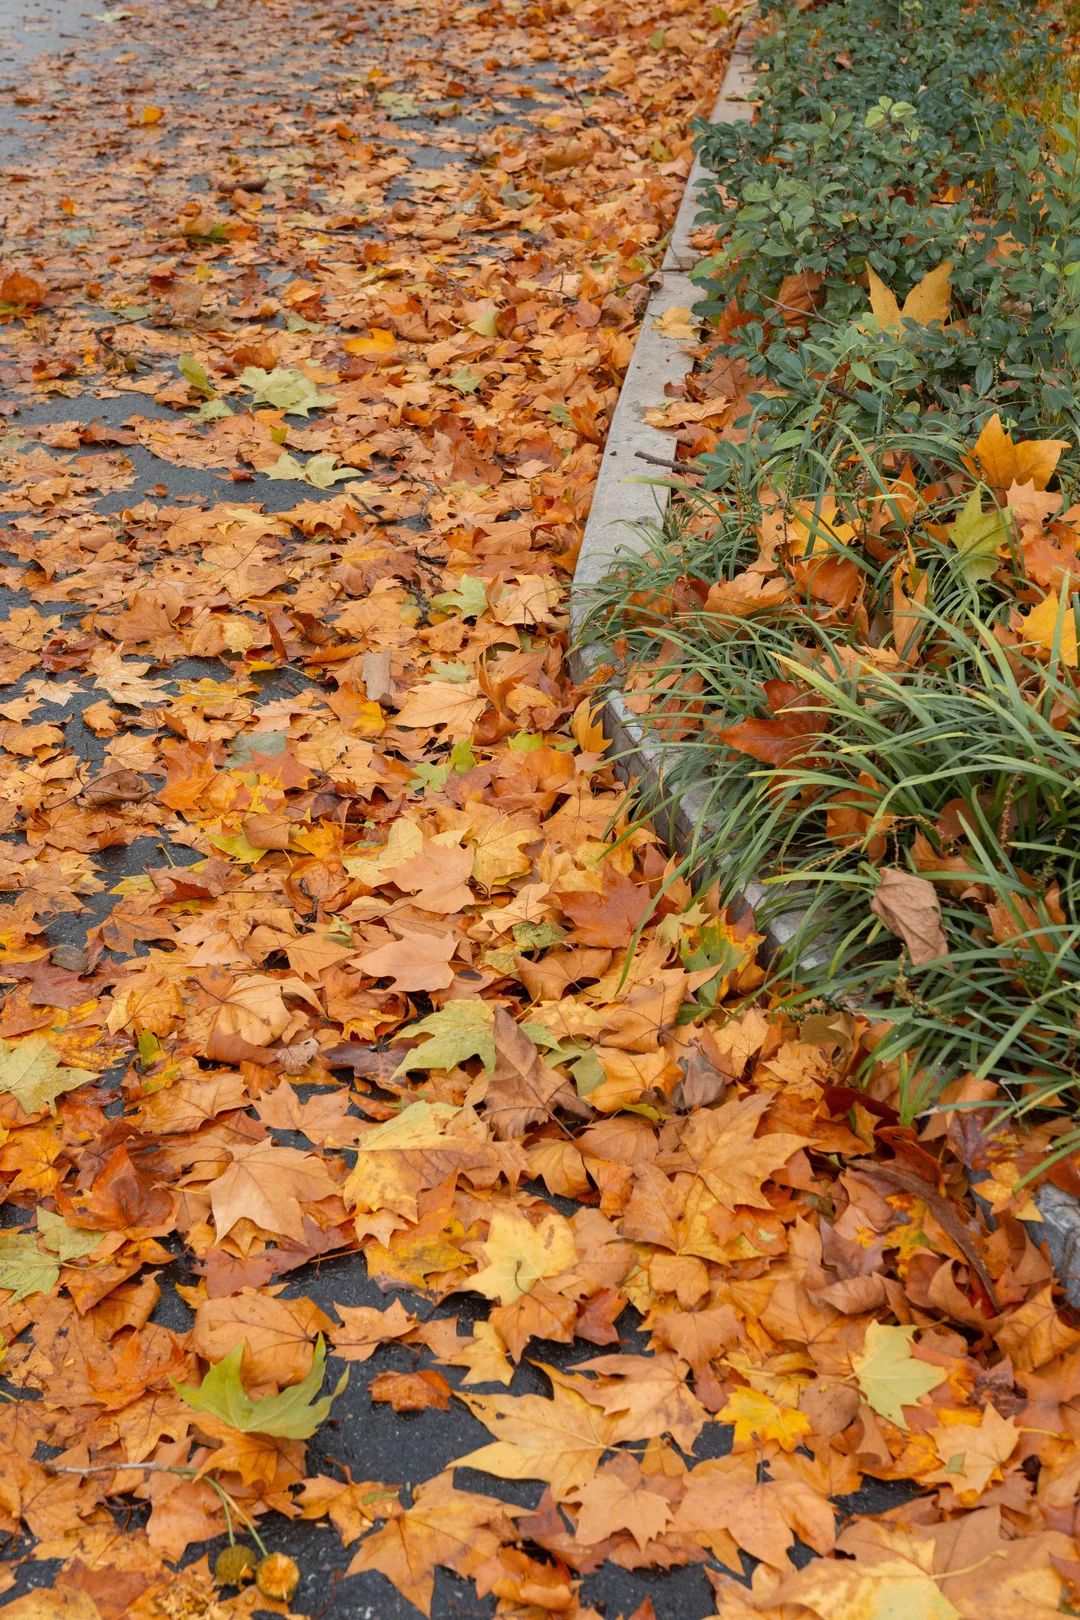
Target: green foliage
892 137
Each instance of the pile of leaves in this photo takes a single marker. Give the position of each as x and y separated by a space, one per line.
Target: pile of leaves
859 628
333 961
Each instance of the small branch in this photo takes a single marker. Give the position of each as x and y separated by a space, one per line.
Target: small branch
228 1501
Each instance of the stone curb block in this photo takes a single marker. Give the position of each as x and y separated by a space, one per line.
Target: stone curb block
628 502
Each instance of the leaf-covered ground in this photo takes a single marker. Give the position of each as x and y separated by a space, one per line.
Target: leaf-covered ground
348 1028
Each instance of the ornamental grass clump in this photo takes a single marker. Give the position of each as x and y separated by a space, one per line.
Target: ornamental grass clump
857 631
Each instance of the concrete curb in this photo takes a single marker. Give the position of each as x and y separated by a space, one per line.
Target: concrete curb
627 504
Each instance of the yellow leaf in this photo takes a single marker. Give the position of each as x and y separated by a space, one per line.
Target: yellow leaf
928 300
560 1440
1041 628
381 343
883 303
758 1416
678 323
519 1254
1004 462
889 1375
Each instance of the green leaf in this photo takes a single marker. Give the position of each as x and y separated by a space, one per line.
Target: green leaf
977 536
31 1072
197 378
23 1268
212 410
288 391
889 1375
460 1030
537 936
294 1414
397 104
465 380
469 598
66 1242
443 671
462 758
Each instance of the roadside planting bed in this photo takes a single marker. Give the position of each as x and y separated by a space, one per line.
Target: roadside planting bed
857 627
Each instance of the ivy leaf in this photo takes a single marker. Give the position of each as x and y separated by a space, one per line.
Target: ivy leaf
460 1030
23 1268
31 1072
978 536
294 1414
288 391
889 1375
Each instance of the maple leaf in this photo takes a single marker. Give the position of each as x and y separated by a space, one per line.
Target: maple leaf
1052 627
560 1439
288 391
611 1503
1004 462
468 598
443 1526
758 1416
979 537
721 1148
892 1587
364 1328
888 1373
973 1453
321 471
66 1242
927 302
23 1267
293 1414
412 962
457 705
457 1032
519 1254
31 1071
412 1391
269 1186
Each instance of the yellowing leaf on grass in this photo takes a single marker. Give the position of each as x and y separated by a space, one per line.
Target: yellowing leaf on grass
1052 627
979 537
519 1254
927 302
889 1375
